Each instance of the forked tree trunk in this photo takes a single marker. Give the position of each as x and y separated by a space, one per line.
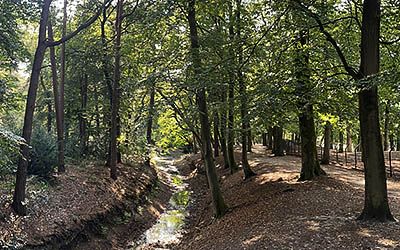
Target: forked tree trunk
18 203
310 167
376 205
327 142
115 90
57 103
219 205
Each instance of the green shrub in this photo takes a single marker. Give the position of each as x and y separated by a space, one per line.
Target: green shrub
9 151
43 153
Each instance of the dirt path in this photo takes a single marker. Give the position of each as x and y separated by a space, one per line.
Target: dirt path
274 211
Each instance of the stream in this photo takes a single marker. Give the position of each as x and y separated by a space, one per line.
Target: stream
169 227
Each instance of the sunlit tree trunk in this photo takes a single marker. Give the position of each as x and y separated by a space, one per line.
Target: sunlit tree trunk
349 140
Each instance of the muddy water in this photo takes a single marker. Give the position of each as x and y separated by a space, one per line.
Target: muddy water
168 229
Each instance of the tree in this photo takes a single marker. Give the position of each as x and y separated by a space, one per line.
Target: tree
218 202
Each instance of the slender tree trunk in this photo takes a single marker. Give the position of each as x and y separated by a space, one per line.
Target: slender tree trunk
264 139
243 95
277 147
57 104
386 129
310 167
231 97
48 103
331 146
219 205
18 203
223 129
270 137
327 142
150 115
376 205
115 90
195 149
341 141
249 138
216 134
83 117
349 141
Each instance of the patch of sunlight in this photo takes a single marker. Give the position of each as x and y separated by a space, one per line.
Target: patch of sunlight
364 232
388 243
252 240
313 225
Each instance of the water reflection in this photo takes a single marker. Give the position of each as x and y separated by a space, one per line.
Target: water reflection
168 228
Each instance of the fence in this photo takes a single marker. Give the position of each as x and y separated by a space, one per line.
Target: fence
349 159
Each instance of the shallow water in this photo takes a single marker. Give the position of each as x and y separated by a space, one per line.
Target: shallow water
168 228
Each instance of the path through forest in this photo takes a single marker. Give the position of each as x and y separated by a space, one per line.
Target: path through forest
274 211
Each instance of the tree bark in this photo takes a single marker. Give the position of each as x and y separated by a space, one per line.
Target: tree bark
270 137
83 117
231 97
219 205
243 96
57 104
18 203
341 141
376 205
150 116
349 143
264 139
386 128
216 134
277 147
310 167
327 142
115 90
223 128
48 103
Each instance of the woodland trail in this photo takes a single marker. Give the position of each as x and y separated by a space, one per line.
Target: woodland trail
274 211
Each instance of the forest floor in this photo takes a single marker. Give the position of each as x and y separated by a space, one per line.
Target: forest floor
80 206
274 211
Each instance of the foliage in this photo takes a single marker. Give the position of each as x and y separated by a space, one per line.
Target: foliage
9 148
43 154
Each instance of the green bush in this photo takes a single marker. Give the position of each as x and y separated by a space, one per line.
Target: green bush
9 151
43 153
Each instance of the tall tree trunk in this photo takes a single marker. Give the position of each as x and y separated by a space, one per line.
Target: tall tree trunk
223 128
249 138
341 141
327 142
150 115
264 139
376 205
57 104
349 143
216 134
61 167
386 128
83 117
115 90
219 205
277 147
310 167
270 137
231 97
18 203
48 103
243 95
